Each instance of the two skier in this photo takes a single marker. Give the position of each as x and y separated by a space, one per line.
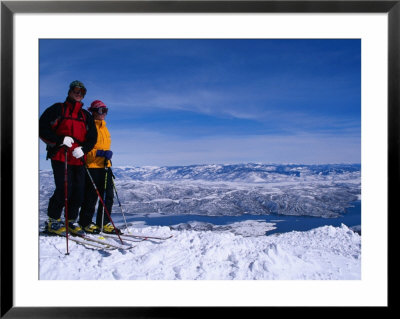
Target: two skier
75 137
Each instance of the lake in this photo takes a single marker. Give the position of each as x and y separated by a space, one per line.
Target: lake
284 223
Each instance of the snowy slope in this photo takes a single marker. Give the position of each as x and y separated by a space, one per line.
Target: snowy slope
325 253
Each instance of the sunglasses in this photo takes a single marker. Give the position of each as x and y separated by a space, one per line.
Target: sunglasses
100 110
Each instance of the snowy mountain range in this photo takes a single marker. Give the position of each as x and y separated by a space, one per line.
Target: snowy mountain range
257 189
249 172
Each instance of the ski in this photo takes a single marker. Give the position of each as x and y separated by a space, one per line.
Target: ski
82 241
85 242
102 240
134 238
127 238
147 237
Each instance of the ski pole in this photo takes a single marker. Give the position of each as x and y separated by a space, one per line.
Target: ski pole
66 195
119 203
105 189
101 200
116 193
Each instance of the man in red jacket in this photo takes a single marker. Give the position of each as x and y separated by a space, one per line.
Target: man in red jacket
67 127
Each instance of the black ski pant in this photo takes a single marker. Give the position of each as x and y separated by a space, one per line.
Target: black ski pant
91 198
76 186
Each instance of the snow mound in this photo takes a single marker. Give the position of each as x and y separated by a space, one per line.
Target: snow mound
234 253
245 228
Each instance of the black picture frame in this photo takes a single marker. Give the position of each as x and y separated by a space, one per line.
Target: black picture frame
9 8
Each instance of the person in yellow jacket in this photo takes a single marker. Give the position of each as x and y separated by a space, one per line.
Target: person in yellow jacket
98 162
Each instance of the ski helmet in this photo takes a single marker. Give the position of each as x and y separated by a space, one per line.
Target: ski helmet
98 106
78 84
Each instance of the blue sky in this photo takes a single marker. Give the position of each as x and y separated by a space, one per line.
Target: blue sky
203 101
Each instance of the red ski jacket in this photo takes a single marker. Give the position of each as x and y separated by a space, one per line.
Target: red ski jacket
67 119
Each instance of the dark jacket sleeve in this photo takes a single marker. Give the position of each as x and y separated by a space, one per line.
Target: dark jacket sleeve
49 117
91 135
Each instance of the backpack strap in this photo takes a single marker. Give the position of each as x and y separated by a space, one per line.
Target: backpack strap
83 115
56 123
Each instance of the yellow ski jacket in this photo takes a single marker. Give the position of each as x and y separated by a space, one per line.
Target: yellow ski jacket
103 143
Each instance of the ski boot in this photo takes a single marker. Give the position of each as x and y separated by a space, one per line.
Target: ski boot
56 227
75 229
110 229
92 229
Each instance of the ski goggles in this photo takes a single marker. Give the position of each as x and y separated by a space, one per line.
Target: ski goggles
80 91
100 110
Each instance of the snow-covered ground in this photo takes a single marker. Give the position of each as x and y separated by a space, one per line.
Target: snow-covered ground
323 253
239 251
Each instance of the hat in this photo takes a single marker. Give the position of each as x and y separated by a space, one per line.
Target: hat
96 105
78 84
